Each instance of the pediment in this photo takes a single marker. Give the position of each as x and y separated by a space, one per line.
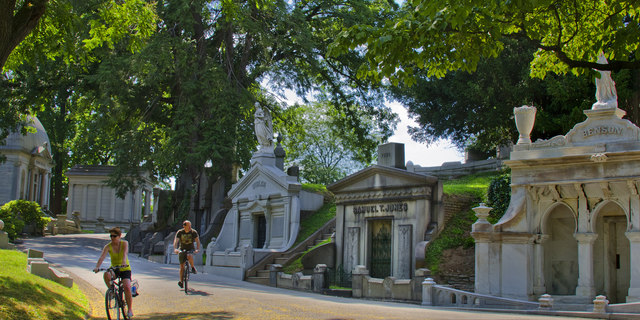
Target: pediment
263 180
380 177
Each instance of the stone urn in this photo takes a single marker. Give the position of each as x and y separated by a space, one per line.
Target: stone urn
525 118
1 224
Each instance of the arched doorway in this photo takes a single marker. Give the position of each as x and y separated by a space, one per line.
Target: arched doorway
561 252
611 253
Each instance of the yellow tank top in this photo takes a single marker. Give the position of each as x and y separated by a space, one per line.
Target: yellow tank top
116 257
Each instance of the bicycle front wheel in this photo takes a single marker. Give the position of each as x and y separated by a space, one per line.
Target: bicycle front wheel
114 304
187 270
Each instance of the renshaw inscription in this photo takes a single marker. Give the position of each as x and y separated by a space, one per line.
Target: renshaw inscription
389 207
602 130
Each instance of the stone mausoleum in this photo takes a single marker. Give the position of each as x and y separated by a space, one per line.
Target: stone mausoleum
26 175
265 216
96 203
572 228
384 214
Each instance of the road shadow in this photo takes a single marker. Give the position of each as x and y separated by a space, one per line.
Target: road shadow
222 315
198 293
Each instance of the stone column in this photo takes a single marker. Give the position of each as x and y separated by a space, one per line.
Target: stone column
84 200
274 270
539 286
634 277
481 232
586 288
427 292
358 276
319 274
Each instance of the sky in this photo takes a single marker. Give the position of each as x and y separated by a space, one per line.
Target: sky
420 154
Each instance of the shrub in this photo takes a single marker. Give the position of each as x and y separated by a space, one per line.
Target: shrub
499 196
17 213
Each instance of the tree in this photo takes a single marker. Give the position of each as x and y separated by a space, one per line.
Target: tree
17 19
443 35
477 108
44 74
187 97
325 152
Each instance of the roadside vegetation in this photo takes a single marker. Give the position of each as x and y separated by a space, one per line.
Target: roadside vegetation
24 296
492 188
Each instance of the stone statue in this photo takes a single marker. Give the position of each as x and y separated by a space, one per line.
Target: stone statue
606 95
264 129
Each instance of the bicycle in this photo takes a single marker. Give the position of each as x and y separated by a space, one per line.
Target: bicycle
187 271
114 297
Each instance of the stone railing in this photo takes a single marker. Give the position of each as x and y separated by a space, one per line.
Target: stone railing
364 286
436 295
298 281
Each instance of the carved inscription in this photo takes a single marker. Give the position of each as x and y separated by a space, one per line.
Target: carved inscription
259 184
389 207
602 130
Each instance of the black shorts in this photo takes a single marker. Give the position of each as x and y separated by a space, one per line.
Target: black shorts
182 256
123 274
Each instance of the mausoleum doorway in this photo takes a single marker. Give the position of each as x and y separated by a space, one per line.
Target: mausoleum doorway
611 253
261 230
561 252
380 235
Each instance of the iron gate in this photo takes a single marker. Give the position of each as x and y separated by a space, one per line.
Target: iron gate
381 252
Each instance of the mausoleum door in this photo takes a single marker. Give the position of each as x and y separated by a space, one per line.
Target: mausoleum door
561 253
617 267
261 231
380 262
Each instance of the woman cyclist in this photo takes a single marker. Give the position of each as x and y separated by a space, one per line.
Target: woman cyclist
118 250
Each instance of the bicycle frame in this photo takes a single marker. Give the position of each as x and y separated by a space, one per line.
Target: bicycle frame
114 296
187 270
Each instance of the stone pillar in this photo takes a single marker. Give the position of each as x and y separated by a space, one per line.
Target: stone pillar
586 288
358 276
83 198
516 266
319 274
427 292
634 277
481 231
274 270
539 286
600 304
418 279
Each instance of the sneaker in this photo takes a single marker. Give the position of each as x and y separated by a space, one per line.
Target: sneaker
129 314
180 284
193 270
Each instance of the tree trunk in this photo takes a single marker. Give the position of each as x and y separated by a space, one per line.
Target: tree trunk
14 28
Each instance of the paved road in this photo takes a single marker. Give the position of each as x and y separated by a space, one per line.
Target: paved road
216 297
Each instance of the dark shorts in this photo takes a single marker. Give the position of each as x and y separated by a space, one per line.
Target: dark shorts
182 256
123 274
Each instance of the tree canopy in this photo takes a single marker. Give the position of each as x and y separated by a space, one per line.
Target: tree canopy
445 35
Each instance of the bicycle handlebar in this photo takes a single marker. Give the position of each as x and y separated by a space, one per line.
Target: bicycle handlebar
110 268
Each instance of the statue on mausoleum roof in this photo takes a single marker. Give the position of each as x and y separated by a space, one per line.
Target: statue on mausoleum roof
606 95
264 128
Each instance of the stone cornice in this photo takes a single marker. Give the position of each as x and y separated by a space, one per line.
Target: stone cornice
384 195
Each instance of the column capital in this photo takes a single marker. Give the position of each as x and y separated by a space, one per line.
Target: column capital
633 236
585 237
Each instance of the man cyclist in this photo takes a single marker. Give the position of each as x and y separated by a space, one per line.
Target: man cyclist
118 250
184 241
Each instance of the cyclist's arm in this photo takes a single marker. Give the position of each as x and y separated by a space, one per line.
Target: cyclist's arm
125 249
105 250
198 242
175 244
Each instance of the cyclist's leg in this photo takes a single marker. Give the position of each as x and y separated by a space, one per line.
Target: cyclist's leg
127 294
190 257
107 278
181 271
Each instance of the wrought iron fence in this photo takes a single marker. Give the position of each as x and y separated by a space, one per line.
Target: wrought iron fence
339 277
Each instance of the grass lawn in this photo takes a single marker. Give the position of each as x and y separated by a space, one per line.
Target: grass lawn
475 184
26 296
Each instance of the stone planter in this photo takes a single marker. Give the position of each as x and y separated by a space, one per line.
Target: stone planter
525 118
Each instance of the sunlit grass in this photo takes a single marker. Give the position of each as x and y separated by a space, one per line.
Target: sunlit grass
24 296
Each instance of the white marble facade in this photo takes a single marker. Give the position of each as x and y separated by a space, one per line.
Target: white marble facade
93 199
572 228
265 217
26 174
382 215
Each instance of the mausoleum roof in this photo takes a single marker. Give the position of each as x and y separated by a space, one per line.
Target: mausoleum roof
34 143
